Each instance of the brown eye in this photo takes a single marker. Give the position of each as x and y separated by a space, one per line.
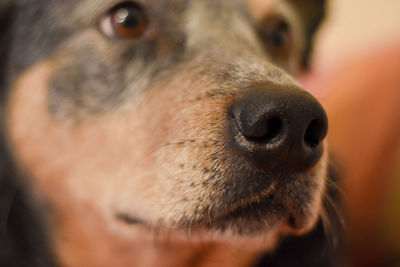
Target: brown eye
125 20
275 33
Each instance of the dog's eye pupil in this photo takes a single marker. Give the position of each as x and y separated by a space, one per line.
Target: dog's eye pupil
128 20
279 35
278 39
275 33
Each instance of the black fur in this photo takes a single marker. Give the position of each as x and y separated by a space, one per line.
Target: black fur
23 239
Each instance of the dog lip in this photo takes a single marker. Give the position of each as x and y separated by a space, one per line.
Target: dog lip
129 219
255 203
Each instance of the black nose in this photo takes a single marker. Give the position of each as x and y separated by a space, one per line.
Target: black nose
275 127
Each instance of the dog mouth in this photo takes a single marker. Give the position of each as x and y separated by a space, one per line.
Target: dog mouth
257 203
259 213
255 208
250 211
249 203
129 219
252 215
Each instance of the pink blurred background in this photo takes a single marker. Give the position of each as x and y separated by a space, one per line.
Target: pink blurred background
356 75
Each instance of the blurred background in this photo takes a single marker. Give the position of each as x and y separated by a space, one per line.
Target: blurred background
359 24
356 75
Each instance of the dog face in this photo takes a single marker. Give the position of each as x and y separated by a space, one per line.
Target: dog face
174 114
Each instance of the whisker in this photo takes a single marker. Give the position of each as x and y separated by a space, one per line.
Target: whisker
337 188
209 214
190 226
328 228
335 208
333 222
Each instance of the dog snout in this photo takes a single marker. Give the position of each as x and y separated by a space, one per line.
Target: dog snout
278 127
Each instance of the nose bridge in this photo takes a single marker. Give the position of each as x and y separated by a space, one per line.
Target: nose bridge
222 38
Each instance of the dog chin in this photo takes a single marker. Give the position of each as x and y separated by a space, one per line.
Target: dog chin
248 223
237 235
242 223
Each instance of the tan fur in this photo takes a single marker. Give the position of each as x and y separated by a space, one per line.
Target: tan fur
259 8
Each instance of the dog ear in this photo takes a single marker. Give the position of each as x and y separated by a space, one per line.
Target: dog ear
7 15
311 13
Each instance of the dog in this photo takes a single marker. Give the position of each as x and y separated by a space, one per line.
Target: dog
163 133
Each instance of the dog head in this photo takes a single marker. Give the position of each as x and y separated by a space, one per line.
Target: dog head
173 114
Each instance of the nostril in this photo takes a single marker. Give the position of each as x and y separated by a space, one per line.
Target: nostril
314 133
274 127
269 130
